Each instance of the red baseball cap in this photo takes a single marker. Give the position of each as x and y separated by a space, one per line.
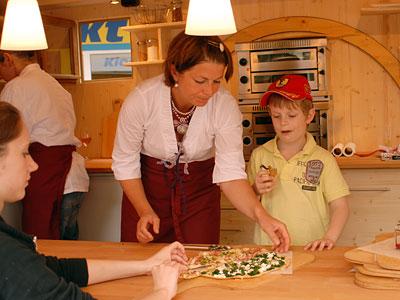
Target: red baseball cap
292 87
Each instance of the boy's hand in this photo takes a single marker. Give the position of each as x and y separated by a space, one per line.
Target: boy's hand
320 245
263 183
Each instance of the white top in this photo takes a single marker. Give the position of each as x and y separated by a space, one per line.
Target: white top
48 112
145 125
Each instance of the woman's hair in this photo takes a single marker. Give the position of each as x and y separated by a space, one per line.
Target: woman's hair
304 105
186 51
10 125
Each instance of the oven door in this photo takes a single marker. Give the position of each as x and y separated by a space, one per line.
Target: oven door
261 138
253 141
262 80
287 59
262 122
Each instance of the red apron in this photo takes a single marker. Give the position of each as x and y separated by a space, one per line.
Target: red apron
188 205
42 202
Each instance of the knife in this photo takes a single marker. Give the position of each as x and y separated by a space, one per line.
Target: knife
209 248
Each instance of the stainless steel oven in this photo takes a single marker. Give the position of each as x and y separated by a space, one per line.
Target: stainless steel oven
261 63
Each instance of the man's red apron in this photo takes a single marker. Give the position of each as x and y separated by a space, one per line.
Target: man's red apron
188 205
42 202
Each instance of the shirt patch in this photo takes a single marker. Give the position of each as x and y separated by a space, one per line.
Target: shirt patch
313 171
309 187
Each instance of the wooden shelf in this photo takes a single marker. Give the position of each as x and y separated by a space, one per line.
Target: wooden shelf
145 27
144 63
163 38
66 78
381 9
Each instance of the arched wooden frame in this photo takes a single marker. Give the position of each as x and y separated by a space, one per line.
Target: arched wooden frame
320 27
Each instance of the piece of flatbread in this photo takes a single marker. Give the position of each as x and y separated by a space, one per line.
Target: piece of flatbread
238 263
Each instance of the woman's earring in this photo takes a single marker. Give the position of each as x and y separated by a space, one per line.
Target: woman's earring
176 84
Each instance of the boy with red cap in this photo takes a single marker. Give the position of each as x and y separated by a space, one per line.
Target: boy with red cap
308 193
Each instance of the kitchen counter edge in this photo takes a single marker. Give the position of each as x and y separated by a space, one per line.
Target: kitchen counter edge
103 165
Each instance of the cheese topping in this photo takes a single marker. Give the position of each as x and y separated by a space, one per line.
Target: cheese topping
238 263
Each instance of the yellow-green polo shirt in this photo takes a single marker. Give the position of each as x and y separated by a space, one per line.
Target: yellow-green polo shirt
304 187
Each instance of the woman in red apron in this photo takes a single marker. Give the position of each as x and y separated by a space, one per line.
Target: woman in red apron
179 139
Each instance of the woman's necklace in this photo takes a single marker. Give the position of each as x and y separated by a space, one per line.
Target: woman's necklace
182 118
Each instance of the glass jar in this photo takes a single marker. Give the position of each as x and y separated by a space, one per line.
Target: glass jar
152 49
176 8
141 50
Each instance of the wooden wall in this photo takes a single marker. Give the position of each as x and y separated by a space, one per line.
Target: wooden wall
366 100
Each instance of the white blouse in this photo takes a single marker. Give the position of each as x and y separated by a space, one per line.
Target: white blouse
145 125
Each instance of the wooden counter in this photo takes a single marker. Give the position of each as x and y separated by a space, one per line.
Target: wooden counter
327 277
354 162
369 162
99 165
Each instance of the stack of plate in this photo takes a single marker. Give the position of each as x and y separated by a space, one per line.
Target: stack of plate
375 271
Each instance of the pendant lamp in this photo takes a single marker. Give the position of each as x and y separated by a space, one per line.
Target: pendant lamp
23 27
210 17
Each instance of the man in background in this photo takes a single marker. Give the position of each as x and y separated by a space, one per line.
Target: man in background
56 189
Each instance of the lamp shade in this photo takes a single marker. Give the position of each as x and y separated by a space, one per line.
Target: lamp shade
23 27
210 17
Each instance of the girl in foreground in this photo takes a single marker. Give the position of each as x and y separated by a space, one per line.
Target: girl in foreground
26 274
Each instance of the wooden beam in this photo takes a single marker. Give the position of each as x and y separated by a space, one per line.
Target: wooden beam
322 27
54 4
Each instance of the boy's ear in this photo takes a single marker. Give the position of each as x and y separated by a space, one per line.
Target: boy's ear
310 116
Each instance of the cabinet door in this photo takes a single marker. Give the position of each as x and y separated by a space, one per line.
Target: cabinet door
60 59
374 204
236 228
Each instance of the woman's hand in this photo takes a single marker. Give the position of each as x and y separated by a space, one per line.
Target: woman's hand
147 220
173 252
263 183
320 245
277 232
165 278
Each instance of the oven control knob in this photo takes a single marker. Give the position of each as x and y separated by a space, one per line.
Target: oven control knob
246 123
243 62
244 79
246 140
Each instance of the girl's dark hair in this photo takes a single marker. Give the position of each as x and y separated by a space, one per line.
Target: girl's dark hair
10 124
21 54
186 51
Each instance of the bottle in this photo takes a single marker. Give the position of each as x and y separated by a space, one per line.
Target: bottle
152 49
141 50
176 8
397 235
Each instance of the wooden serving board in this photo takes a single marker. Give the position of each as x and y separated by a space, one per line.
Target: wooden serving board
375 270
109 127
360 257
375 282
299 259
386 262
